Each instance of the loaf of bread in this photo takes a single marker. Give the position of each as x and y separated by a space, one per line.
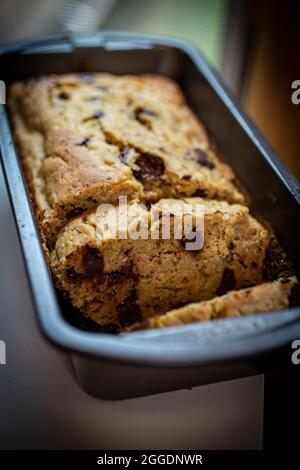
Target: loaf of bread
89 139
117 281
262 298
86 139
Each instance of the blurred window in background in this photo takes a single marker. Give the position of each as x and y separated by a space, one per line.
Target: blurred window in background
199 21
253 44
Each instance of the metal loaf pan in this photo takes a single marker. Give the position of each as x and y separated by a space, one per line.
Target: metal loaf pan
141 363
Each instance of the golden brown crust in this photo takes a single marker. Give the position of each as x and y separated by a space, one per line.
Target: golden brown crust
104 276
262 298
88 139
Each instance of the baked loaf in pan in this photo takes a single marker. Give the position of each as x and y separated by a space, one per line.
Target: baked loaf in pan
117 281
87 139
262 298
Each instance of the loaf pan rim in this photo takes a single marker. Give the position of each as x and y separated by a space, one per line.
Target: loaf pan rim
114 348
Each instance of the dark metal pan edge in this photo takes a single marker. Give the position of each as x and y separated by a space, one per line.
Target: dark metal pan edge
110 347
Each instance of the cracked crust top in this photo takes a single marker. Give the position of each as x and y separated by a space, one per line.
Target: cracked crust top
87 139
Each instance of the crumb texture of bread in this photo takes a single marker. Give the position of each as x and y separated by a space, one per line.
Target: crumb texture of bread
89 138
265 297
117 281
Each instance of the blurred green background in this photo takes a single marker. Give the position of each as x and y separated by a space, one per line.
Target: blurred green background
200 21
252 43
